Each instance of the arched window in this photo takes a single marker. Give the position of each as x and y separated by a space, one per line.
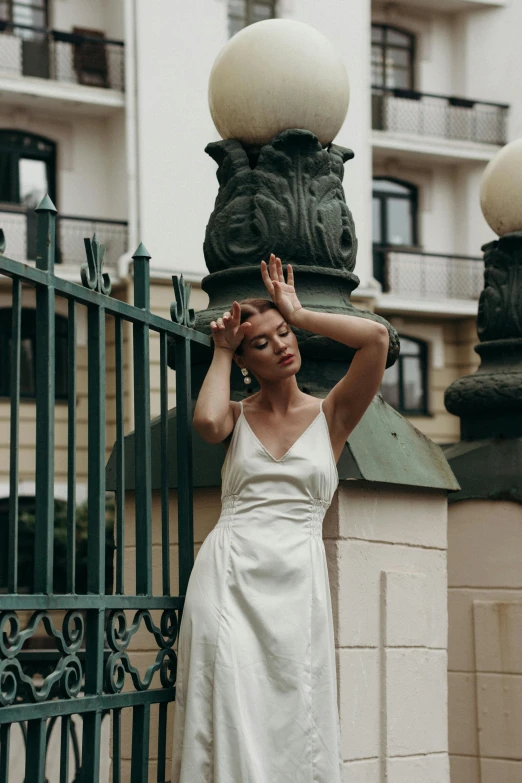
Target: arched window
393 57
405 384
28 354
394 220
241 13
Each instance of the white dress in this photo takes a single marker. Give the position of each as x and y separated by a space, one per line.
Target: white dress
256 691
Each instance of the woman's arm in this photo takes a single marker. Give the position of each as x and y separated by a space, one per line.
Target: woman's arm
347 401
214 413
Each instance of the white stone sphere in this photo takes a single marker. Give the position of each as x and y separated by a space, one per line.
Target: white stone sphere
274 75
501 190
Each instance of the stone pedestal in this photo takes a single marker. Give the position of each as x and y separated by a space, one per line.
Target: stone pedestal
485 641
485 536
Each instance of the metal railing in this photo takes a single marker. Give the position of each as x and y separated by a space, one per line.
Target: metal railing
442 116
19 226
61 56
415 274
90 629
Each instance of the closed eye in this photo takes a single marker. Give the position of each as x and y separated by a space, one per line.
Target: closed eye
260 347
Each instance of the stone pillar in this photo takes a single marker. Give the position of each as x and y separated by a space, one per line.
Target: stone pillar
485 536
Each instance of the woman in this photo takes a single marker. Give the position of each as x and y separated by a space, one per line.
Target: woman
256 694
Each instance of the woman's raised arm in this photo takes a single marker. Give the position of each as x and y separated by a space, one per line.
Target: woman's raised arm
346 403
213 416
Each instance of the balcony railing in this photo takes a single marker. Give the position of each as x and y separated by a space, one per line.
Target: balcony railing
427 114
19 227
415 274
61 56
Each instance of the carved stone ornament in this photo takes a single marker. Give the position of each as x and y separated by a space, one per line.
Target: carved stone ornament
285 197
490 401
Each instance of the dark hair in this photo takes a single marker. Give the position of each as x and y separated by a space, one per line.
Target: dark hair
249 307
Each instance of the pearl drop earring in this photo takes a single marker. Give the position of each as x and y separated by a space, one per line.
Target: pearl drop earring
246 379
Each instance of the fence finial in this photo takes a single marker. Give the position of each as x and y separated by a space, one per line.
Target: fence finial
45 234
180 312
91 272
141 257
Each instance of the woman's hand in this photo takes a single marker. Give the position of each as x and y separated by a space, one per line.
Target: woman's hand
283 294
228 331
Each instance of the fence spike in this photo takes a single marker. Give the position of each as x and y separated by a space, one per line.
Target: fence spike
141 277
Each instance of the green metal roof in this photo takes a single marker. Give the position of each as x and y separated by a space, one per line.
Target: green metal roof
384 447
489 469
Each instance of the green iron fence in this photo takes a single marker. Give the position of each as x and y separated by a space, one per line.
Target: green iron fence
86 673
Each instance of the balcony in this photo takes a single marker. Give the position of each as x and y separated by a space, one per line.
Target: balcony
456 6
19 227
414 274
408 113
60 58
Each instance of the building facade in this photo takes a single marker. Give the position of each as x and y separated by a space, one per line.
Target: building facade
104 106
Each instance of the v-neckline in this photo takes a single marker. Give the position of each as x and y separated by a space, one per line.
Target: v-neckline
295 441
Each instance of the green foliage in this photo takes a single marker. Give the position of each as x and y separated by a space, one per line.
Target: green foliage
26 554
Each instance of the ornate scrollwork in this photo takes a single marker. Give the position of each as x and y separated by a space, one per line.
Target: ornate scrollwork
92 275
500 303
286 197
496 387
68 642
119 662
180 312
67 675
119 637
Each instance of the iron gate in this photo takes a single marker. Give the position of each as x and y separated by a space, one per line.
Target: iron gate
88 672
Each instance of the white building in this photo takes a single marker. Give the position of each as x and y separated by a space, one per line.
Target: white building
116 132
104 105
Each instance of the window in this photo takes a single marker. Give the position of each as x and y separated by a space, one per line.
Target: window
27 13
241 13
28 354
394 220
392 57
404 385
27 168
394 212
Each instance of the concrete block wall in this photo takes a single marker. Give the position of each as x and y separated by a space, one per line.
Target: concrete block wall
386 549
485 641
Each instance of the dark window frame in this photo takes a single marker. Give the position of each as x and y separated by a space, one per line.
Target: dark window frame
412 196
43 6
384 45
422 356
249 11
22 144
28 332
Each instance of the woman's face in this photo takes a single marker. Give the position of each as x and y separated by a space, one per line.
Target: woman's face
264 345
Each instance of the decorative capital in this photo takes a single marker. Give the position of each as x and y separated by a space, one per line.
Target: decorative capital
92 275
489 402
179 310
500 303
284 197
